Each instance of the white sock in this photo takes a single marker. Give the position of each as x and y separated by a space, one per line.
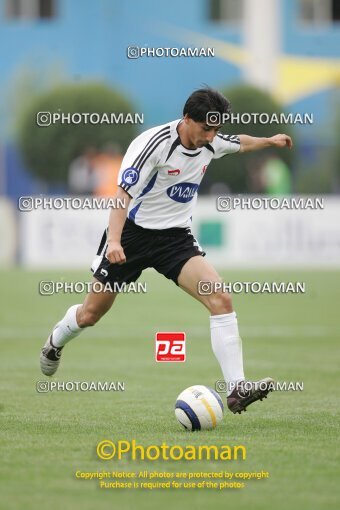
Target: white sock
67 328
227 347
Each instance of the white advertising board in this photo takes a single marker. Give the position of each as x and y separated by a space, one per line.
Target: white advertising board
248 238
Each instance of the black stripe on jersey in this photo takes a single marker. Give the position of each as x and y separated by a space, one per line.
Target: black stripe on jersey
152 148
209 147
192 155
125 187
175 144
229 138
166 130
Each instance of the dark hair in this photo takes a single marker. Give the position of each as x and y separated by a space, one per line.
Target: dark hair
203 101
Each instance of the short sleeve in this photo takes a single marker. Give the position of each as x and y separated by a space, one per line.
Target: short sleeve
225 144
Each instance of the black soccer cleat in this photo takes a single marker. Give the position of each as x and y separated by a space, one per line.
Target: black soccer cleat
247 392
50 357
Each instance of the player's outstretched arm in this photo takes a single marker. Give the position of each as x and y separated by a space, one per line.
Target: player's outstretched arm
115 253
251 143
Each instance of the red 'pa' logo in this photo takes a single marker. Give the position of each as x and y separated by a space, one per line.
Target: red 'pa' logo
170 347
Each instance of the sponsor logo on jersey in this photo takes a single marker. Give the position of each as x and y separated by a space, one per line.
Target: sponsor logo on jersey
130 176
182 192
174 172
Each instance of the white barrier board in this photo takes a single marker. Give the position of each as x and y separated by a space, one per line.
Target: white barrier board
243 238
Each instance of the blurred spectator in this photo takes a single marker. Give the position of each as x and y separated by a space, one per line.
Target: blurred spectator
255 175
269 175
106 167
82 176
277 177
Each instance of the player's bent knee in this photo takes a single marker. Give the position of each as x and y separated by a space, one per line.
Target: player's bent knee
88 318
220 303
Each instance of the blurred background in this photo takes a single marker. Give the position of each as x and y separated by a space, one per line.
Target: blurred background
274 56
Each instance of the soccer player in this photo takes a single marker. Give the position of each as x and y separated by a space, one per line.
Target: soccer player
159 179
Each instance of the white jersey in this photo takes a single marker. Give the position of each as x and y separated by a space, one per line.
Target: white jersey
162 176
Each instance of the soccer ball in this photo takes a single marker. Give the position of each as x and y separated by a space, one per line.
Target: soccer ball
199 408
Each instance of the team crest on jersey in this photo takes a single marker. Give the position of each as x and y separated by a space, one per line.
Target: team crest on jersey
174 172
130 176
183 192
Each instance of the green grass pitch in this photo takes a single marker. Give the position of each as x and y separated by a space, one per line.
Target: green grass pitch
46 438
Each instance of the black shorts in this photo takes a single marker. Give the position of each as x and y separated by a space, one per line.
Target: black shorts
165 250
